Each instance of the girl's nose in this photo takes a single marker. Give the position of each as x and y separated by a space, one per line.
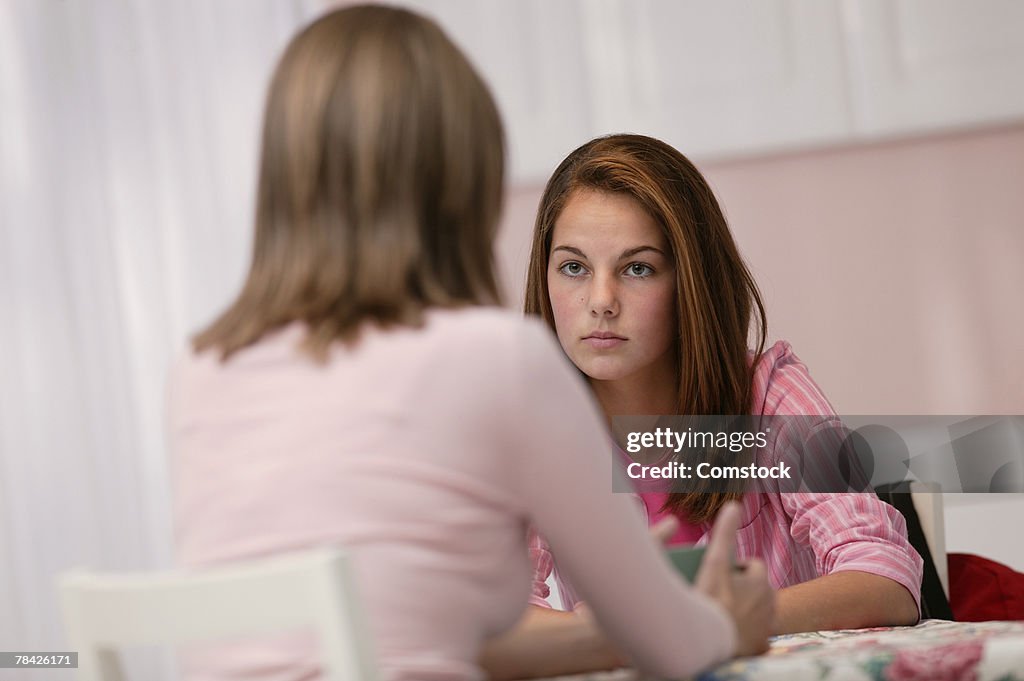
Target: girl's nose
604 301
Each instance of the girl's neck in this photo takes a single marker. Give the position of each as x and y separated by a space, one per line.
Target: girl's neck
636 396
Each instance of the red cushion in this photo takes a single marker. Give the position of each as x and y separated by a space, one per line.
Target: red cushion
981 589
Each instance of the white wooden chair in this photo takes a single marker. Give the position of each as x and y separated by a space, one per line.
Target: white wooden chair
313 589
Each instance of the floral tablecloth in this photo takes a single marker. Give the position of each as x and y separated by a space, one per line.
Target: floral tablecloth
934 650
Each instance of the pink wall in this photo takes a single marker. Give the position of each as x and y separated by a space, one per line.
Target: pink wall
896 270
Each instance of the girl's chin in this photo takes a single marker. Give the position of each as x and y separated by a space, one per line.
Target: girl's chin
598 372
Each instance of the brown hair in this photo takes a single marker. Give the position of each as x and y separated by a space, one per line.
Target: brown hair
716 296
380 183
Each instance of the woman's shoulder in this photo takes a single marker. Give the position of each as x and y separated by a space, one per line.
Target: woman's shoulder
783 384
492 331
478 318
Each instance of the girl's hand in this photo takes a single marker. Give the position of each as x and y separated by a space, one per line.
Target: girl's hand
745 594
663 530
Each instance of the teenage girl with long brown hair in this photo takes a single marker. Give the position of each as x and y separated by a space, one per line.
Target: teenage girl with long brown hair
634 268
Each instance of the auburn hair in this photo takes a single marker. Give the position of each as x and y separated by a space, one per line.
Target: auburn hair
718 305
380 184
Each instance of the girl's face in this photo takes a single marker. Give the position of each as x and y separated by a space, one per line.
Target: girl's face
612 285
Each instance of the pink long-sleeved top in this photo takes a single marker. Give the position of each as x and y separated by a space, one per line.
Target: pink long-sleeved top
426 452
798 536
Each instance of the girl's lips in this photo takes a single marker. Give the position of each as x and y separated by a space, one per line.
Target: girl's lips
603 343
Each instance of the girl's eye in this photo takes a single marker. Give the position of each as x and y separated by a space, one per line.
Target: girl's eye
571 269
639 269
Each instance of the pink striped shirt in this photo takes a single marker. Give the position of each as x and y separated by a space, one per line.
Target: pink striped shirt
799 536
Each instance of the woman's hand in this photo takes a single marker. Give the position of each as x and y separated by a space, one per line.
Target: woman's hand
745 593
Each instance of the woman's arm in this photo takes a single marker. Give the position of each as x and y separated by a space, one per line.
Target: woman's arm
870 574
844 600
549 642
560 470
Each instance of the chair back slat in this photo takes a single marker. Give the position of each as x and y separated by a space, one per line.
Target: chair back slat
309 591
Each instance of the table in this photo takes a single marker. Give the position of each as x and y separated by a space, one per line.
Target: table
934 650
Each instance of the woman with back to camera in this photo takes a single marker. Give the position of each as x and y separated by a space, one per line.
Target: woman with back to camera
634 268
363 390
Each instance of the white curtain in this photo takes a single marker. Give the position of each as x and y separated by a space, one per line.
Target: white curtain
128 149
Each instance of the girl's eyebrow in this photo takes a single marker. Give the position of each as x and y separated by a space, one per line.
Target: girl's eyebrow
571 249
628 253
